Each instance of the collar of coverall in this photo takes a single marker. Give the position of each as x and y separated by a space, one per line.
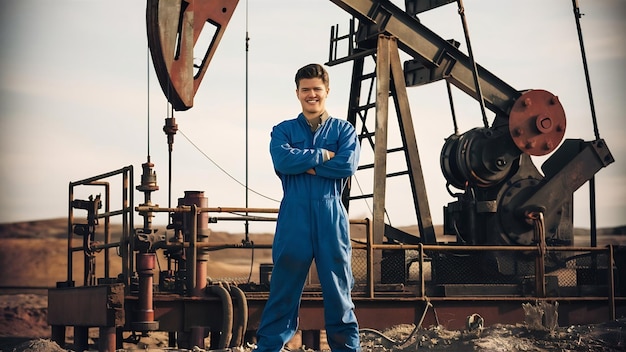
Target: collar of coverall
322 118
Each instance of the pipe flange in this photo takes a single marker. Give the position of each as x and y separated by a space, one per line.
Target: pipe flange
537 122
145 325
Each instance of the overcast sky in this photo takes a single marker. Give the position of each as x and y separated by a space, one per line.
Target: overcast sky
77 91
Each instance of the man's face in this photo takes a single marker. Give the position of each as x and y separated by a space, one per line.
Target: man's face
312 94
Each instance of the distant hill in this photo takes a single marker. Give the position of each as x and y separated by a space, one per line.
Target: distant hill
57 228
34 253
619 230
50 228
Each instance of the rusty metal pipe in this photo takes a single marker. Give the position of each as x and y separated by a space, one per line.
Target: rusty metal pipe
449 248
107 339
243 217
516 298
198 226
70 223
240 320
187 208
145 313
145 265
128 223
101 176
192 253
106 215
611 284
215 246
99 247
201 274
227 314
540 268
107 232
240 210
370 258
422 278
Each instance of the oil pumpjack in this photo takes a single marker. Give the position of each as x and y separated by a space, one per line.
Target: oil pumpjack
512 224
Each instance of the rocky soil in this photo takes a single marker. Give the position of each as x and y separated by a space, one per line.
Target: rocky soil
23 327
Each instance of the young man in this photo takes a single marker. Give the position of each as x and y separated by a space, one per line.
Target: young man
314 155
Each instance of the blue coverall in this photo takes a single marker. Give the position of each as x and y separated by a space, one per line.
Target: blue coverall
312 224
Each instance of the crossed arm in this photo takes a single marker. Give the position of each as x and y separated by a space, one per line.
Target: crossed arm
331 154
291 160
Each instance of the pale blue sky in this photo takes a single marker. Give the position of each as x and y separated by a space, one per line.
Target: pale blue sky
74 78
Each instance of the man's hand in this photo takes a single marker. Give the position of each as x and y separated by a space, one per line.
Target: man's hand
330 156
327 154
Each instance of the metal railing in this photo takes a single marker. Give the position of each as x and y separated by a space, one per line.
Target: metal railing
125 211
579 270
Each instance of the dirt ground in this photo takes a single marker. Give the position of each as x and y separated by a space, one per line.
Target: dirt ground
35 254
23 327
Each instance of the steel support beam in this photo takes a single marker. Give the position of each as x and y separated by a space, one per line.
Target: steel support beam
593 156
416 175
383 79
435 53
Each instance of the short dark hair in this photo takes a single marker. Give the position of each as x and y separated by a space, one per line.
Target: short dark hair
312 71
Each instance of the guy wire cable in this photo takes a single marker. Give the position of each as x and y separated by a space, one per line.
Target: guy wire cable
594 120
247 39
247 223
577 16
148 97
222 169
479 92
